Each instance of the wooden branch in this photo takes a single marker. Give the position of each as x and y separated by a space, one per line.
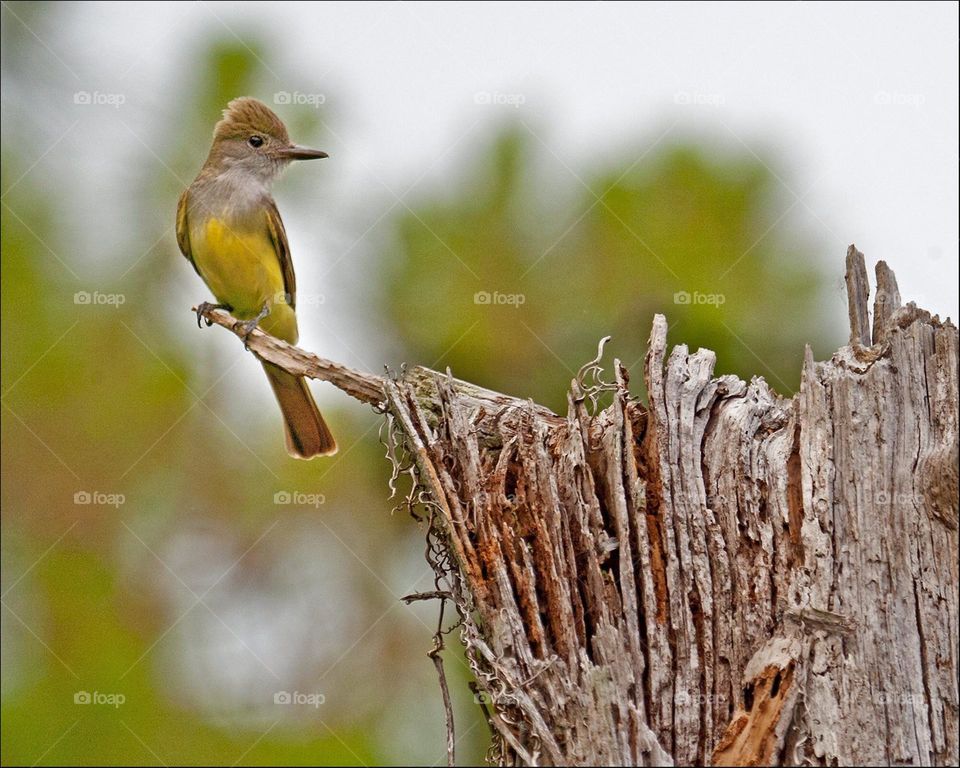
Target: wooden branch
362 386
366 387
719 575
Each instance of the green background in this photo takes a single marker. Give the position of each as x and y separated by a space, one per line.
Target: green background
198 598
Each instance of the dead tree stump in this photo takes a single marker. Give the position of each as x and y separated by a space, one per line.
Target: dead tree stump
722 575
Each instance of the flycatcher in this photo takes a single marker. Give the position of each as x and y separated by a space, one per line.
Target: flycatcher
229 228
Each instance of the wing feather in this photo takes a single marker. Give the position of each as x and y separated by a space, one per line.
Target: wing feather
183 229
279 237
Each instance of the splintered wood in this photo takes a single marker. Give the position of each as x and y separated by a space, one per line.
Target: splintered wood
723 576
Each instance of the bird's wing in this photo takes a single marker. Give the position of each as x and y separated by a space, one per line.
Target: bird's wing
183 231
279 237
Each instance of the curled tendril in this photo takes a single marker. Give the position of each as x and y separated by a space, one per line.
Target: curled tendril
395 375
391 438
589 381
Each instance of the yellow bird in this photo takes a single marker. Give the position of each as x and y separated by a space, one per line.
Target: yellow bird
229 228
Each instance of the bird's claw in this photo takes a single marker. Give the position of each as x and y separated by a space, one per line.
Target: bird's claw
205 306
248 327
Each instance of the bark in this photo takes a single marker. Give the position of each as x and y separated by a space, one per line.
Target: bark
722 575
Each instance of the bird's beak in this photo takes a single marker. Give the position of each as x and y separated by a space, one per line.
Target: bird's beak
295 152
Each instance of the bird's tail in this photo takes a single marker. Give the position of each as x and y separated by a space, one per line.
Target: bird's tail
306 432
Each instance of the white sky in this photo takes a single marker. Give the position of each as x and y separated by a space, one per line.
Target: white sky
861 97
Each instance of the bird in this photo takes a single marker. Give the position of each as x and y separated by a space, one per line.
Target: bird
230 230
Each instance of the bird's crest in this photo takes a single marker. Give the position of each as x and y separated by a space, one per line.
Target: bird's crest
245 116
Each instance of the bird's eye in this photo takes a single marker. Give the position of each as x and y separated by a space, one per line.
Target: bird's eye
255 141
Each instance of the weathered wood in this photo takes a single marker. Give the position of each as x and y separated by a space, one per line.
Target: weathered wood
886 302
363 386
858 292
721 575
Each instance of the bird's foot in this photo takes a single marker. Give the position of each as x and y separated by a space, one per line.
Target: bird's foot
249 326
205 306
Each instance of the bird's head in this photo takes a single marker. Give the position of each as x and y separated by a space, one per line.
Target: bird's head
252 139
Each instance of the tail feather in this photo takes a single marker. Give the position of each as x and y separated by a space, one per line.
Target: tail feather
307 434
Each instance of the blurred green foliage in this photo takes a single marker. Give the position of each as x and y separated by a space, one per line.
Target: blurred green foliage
113 399
684 233
107 398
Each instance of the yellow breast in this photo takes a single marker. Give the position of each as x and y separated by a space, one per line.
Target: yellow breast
240 267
